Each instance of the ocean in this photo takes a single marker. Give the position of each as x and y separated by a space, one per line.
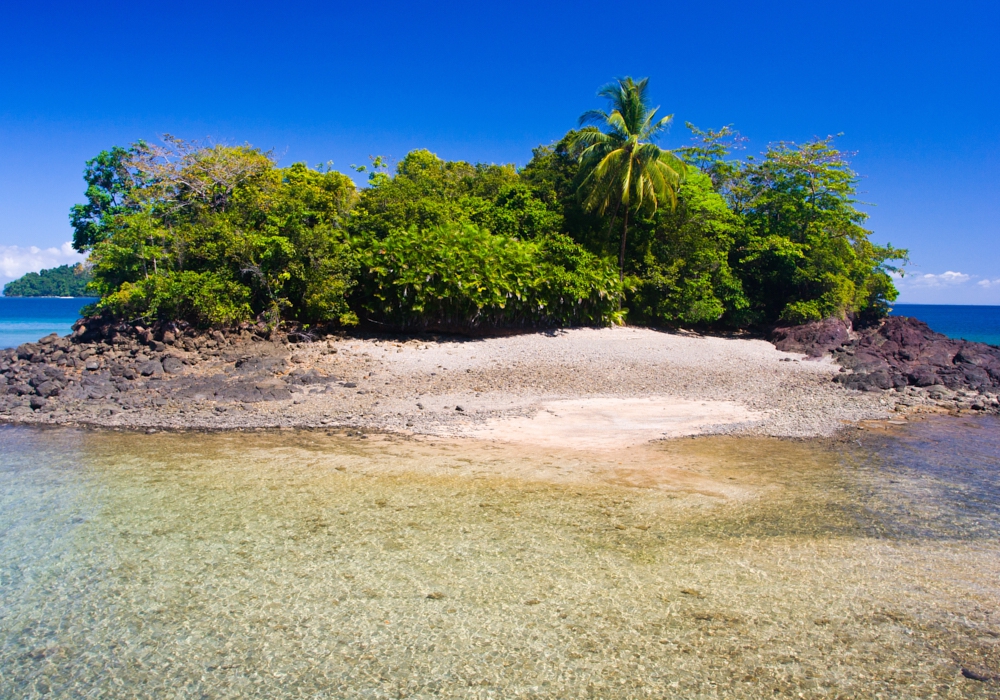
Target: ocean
977 323
26 319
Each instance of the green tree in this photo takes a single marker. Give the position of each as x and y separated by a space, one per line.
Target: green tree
428 192
682 260
621 167
110 178
217 235
802 252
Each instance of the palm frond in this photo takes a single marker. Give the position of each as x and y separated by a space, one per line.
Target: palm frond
597 117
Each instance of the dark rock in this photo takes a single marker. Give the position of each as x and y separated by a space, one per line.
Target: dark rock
130 373
812 339
92 366
37 402
25 351
172 365
49 388
898 352
977 676
153 368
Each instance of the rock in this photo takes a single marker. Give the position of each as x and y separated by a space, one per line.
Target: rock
459 408
37 403
897 353
92 366
169 338
814 339
151 369
976 675
49 388
172 365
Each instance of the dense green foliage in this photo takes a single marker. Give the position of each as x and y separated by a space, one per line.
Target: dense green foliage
219 235
802 252
459 276
62 281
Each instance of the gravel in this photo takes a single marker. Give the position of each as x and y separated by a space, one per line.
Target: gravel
414 385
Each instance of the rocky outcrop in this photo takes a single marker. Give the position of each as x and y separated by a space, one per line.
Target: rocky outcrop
813 339
899 352
119 366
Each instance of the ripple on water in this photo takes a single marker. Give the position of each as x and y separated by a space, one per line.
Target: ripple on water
284 565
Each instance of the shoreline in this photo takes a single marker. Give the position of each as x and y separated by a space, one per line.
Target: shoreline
580 388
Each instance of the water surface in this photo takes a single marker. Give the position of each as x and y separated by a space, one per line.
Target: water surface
26 319
302 564
977 323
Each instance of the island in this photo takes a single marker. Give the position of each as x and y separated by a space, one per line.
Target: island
62 281
610 286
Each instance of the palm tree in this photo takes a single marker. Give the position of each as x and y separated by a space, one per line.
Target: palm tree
620 166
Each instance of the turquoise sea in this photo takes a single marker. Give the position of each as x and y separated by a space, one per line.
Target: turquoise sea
24 320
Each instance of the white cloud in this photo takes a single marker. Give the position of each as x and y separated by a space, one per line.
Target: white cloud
945 279
17 260
986 284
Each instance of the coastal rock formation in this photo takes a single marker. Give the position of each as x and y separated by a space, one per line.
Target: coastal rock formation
898 353
813 339
115 367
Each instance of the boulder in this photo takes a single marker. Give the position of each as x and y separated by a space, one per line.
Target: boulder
172 365
813 339
153 368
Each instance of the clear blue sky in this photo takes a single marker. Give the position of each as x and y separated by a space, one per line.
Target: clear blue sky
913 86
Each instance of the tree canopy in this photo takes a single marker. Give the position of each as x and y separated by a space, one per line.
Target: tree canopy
219 235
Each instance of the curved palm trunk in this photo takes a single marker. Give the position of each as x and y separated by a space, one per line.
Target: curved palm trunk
621 253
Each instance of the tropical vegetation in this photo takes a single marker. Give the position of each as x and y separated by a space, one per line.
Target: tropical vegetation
603 226
62 281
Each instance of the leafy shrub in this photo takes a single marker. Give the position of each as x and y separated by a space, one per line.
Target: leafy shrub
463 277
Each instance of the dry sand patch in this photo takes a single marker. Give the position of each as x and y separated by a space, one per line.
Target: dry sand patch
612 423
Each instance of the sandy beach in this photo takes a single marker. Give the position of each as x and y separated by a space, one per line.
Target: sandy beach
587 388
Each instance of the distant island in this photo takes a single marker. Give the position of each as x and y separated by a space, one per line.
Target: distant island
62 281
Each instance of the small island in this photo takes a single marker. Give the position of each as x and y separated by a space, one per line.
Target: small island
453 298
62 281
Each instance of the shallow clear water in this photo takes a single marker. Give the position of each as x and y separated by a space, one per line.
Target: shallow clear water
25 320
304 564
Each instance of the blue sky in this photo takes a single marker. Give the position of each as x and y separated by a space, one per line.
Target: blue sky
913 87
